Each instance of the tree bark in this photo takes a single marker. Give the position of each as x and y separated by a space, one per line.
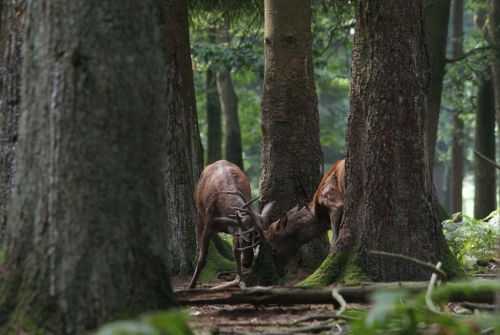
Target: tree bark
390 203
229 106
184 153
484 172
291 152
457 149
89 241
214 131
436 17
11 40
494 37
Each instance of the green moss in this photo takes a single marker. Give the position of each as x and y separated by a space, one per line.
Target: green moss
452 267
337 267
223 246
215 264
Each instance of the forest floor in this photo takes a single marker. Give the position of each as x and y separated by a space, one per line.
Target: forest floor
248 319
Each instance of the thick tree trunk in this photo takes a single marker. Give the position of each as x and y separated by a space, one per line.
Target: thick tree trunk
390 204
291 153
89 241
484 172
457 149
436 17
11 39
184 153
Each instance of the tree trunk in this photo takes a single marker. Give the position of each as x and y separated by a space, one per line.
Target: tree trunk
484 172
184 153
457 149
436 17
291 152
390 203
214 131
11 40
229 106
494 37
90 239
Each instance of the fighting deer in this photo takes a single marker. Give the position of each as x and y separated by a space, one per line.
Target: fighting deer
223 200
299 226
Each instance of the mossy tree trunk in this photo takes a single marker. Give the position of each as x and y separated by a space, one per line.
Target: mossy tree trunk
291 152
88 241
229 105
484 172
390 204
457 148
184 153
436 17
11 40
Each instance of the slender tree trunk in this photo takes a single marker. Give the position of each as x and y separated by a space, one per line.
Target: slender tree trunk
457 149
436 17
90 239
229 106
390 203
214 132
11 30
494 37
184 152
484 173
291 152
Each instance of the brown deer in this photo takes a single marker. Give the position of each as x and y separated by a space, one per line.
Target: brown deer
223 200
299 226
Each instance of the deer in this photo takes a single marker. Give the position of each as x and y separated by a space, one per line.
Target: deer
223 200
300 225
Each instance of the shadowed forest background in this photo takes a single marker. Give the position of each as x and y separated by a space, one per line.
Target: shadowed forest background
135 134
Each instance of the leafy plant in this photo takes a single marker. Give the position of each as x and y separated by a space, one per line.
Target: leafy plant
472 239
163 323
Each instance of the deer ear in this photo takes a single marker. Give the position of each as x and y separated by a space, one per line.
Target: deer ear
283 222
267 209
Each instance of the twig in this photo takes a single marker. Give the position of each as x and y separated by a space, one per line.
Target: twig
324 317
343 305
232 283
471 52
428 266
430 288
480 155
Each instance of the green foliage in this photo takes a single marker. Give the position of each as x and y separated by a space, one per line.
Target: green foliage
397 312
471 239
172 322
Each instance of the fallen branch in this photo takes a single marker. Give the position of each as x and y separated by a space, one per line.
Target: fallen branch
311 296
492 162
428 266
321 317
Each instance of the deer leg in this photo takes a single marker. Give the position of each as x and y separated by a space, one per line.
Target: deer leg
335 218
237 254
202 255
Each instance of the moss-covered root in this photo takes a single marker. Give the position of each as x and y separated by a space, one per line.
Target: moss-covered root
452 267
337 267
215 264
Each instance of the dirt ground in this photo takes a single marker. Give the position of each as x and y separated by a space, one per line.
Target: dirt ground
248 319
